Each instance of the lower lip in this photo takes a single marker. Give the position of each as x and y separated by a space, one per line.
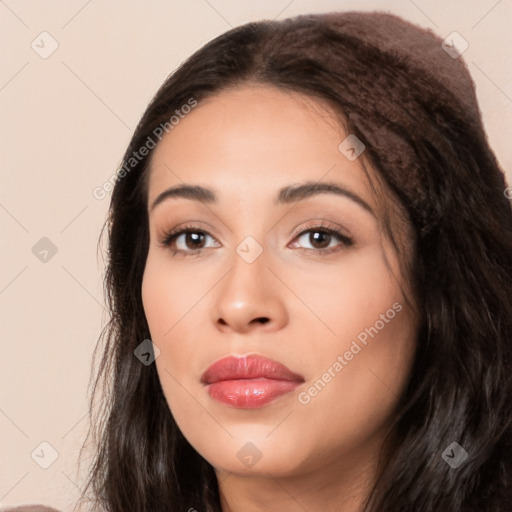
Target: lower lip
250 393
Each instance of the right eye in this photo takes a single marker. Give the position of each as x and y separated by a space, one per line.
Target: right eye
187 241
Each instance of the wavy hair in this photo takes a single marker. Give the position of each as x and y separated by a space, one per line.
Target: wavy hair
425 139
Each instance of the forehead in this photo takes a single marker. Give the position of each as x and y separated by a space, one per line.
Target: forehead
253 140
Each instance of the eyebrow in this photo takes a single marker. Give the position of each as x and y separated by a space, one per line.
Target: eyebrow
285 195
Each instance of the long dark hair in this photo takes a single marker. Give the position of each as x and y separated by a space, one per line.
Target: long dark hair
424 136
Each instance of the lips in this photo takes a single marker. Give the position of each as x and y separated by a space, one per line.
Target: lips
249 382
248 367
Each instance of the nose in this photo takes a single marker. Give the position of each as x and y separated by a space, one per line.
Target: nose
249 297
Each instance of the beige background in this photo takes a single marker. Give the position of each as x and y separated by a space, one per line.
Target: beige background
66 120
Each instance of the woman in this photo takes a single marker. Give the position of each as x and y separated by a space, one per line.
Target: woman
309 277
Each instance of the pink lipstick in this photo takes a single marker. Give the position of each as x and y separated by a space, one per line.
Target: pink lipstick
249 382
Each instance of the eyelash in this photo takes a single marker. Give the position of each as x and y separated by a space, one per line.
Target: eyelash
170 236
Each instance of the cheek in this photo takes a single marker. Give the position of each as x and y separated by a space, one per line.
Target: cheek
167 298
375 328
348 298
175 310
168 295
357 381
359 367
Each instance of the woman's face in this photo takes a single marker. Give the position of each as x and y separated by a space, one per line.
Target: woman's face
258 274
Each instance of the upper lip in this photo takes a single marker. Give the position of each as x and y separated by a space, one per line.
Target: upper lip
248 367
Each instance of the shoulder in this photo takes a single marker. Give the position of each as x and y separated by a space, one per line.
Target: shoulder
30 508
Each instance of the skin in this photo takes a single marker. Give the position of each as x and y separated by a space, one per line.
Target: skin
246 143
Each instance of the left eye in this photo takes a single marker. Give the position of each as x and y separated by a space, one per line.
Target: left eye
320 238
